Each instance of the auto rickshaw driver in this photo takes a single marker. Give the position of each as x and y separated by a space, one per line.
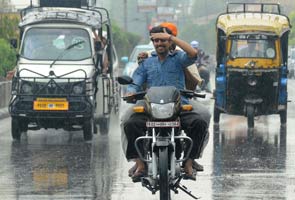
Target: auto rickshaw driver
253 49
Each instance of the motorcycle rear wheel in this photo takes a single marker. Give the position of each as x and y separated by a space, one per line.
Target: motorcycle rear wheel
164 174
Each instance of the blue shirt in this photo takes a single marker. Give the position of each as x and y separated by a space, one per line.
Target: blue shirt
169 72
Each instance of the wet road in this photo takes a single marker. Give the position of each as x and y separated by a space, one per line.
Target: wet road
239 164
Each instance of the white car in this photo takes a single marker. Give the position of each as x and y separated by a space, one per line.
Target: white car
131 64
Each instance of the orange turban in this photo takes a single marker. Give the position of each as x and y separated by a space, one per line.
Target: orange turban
172 27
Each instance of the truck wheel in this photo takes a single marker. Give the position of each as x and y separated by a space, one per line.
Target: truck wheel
15 129
104 125
88 130
216 115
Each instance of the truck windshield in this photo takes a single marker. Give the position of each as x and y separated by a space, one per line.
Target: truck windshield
253 48
49 43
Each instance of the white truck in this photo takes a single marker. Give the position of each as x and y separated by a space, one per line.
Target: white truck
58 81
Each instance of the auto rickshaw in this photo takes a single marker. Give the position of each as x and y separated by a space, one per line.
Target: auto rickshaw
252 54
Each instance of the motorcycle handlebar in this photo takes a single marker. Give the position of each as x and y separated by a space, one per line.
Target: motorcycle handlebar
134 97
140 95
191 94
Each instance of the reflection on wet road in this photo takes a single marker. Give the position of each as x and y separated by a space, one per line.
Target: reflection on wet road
250 164
239 164
58 165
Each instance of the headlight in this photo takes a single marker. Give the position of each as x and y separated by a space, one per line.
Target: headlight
162 111
26 88
252 81
78 88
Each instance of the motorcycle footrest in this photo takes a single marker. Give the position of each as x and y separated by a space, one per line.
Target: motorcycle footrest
149 184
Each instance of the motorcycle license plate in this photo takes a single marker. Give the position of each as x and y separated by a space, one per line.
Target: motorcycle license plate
51 104
163 124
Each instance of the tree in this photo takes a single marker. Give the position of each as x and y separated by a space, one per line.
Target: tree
8 30
9 25
7 57
124 41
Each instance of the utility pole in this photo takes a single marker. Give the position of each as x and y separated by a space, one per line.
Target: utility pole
125 15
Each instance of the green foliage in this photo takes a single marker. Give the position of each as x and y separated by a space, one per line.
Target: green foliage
8 30
292 34
7 57
124 41
9 26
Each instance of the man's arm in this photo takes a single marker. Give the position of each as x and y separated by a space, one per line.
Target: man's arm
191 52
139 77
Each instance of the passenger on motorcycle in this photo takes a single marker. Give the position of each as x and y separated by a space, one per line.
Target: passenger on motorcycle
164 68
201 63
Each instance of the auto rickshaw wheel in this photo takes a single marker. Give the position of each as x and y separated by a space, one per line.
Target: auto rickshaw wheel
291 74
250 116
216 115
283 117
104 125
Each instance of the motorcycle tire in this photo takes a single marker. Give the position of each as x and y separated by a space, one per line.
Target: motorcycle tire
250 116
164 176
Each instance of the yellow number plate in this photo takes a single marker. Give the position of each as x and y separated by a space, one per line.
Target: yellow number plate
51 104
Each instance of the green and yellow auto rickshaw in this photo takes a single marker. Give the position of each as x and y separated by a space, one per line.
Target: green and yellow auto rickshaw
252 54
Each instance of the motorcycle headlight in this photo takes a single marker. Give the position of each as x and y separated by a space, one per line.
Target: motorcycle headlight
26 88
252 81
162 111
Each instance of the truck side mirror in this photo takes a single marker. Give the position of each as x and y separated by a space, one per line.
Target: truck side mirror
13 42
229 57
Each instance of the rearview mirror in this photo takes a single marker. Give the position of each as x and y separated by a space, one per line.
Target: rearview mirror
230 57
13 42
124 59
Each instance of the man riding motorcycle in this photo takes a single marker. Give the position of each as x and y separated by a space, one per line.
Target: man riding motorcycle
164 68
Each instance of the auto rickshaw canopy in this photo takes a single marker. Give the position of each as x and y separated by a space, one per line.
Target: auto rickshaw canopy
253 17
247 22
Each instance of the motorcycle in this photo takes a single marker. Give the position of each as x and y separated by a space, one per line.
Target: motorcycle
204 72
163 146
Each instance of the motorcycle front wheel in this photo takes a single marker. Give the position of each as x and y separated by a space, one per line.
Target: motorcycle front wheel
164 174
